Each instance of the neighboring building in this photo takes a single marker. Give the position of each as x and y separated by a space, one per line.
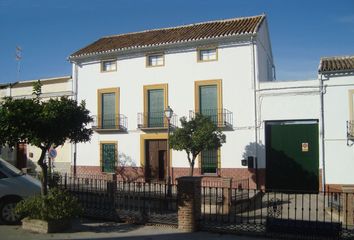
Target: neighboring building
26 156
223 69
336 75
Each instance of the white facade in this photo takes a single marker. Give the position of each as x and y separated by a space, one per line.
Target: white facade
245 68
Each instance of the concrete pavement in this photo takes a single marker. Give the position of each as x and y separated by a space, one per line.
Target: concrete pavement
87 229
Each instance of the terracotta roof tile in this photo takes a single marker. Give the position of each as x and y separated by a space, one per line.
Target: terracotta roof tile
185 33
341 63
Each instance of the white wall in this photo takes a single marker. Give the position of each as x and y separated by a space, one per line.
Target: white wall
287 100
181 70
339 156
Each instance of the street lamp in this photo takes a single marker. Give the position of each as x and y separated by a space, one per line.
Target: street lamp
168 114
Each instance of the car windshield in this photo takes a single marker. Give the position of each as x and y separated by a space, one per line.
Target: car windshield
8 169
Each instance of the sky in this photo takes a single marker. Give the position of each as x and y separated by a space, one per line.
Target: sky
48 31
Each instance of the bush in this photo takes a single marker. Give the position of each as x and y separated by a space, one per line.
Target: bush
57 205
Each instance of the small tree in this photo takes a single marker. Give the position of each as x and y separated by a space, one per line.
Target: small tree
195 136
44 124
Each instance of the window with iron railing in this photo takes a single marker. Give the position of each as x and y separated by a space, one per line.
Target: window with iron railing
209 161
108 156
222 118
110 122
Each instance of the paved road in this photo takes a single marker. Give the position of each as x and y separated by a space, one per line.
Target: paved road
86 229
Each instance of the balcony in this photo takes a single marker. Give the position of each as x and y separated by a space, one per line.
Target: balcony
350 133
155 121
222 118
109 123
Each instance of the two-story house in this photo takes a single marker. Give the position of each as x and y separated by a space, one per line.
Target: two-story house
275 131
128 80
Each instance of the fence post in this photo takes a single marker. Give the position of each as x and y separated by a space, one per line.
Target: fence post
189 203
111 186
227 184
348 204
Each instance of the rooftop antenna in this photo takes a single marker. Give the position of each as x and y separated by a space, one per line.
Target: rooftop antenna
18 59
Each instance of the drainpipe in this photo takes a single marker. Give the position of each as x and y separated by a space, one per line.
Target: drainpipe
322 131
75 90
255 112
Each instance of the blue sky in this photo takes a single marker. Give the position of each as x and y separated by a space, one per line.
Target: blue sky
50 30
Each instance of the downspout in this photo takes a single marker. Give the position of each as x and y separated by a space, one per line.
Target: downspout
322 132
75 90
255 112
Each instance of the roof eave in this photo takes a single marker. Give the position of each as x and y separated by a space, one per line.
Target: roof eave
72 58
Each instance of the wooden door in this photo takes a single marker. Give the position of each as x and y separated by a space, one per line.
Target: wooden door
155 168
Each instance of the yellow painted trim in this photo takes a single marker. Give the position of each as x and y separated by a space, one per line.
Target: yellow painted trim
146 88
100 153
218 83
108 60
154 54
351 107
151 136
207 48
101 91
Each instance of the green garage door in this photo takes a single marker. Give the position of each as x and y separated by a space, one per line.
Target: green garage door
292 156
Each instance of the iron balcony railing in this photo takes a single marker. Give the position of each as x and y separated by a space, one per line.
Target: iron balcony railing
350 130
222 117
117 122
153 120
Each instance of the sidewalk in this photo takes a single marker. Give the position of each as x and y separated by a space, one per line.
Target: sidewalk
87 229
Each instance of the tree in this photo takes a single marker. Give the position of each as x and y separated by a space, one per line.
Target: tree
195 136
44 124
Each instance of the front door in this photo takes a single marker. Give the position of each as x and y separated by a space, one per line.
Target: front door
292 156
156 161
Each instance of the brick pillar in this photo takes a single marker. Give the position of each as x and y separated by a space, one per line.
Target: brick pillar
189 203
348 204
227 183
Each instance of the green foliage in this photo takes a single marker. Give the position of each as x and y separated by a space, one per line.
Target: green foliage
196 135
57 205
44 124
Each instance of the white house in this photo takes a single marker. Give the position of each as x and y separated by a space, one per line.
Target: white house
24 155
223 69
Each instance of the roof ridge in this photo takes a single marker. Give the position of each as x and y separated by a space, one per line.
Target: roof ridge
187 25
337 57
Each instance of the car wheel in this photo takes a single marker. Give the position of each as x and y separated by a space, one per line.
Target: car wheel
7 211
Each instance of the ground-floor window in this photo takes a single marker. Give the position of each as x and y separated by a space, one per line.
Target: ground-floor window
108 156
209 161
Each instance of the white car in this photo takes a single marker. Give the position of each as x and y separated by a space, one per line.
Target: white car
14 186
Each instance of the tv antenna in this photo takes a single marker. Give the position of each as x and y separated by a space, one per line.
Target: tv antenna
18 59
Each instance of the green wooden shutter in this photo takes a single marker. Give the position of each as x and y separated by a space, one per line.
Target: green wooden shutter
209 161
108 157
156 107
208 101
108 110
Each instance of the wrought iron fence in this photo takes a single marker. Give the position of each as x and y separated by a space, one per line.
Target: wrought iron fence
155 120
222 118
237 209
132 201
281 214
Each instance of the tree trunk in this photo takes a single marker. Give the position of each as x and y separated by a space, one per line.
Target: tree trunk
44 168
191 170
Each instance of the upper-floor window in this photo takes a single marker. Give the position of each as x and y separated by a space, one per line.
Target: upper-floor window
109 65
108 108
207 54
155 60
